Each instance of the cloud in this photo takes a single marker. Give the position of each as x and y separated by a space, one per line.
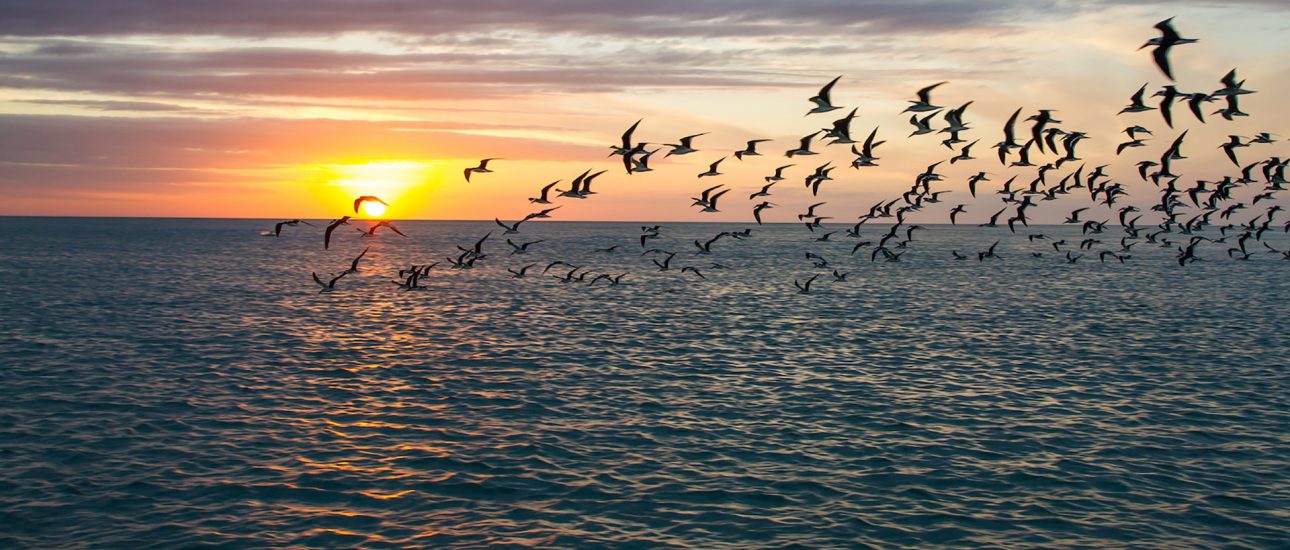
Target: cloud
312 73
110 105
683 18
42 154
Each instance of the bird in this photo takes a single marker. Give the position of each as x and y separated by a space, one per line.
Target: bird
522 248
575 187
924 102
1131 143
481 169
542 198
822 101
989 253
1167 96
666 264
779 174
277 227
365 198
1230 148
765 191
371 231
329 285
955 212
704 196
865 156
972 181
804 148
1168 39
640 164
544 213
965 153
625 146
519 274
685 147
1231 86
353 265
1136 104
344 220
510 229
712 169
805 288
1134 130
1041 120
750 149
921 126
1024 155
758 208
1009 137
810 211
711 205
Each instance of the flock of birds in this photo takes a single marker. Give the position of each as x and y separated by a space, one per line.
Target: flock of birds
1186 210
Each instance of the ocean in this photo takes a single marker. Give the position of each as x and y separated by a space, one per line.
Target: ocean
182 383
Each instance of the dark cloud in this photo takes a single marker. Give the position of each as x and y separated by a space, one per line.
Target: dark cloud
230 73
685 18
109 105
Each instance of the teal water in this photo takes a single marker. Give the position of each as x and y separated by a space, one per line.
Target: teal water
181 383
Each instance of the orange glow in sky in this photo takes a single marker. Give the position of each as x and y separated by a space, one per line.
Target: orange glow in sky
288 121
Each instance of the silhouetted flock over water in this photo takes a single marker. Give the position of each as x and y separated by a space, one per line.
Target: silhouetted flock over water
1045 153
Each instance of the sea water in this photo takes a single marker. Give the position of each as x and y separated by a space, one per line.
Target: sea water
179 383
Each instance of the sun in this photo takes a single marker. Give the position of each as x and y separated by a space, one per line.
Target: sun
402 183
373 209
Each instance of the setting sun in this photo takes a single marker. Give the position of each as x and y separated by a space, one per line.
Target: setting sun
403 184
373 209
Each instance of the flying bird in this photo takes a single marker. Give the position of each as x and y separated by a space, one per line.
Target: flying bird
344 220
1136 104
822 101
543 197
365 198
750 149
924 102
277 227
482 168
804 148
625 146
1168 39
712 169
329 285
779 174
353 265
685 147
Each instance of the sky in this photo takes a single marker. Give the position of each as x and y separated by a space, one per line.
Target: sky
292 108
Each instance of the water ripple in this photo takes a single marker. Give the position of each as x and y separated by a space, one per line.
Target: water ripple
180 383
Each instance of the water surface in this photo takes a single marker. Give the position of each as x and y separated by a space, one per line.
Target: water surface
182 382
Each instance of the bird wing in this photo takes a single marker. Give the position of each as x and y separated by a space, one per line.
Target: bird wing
827 91
924 95
1161 56
627 136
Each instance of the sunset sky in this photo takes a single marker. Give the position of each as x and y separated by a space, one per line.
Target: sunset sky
291 108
